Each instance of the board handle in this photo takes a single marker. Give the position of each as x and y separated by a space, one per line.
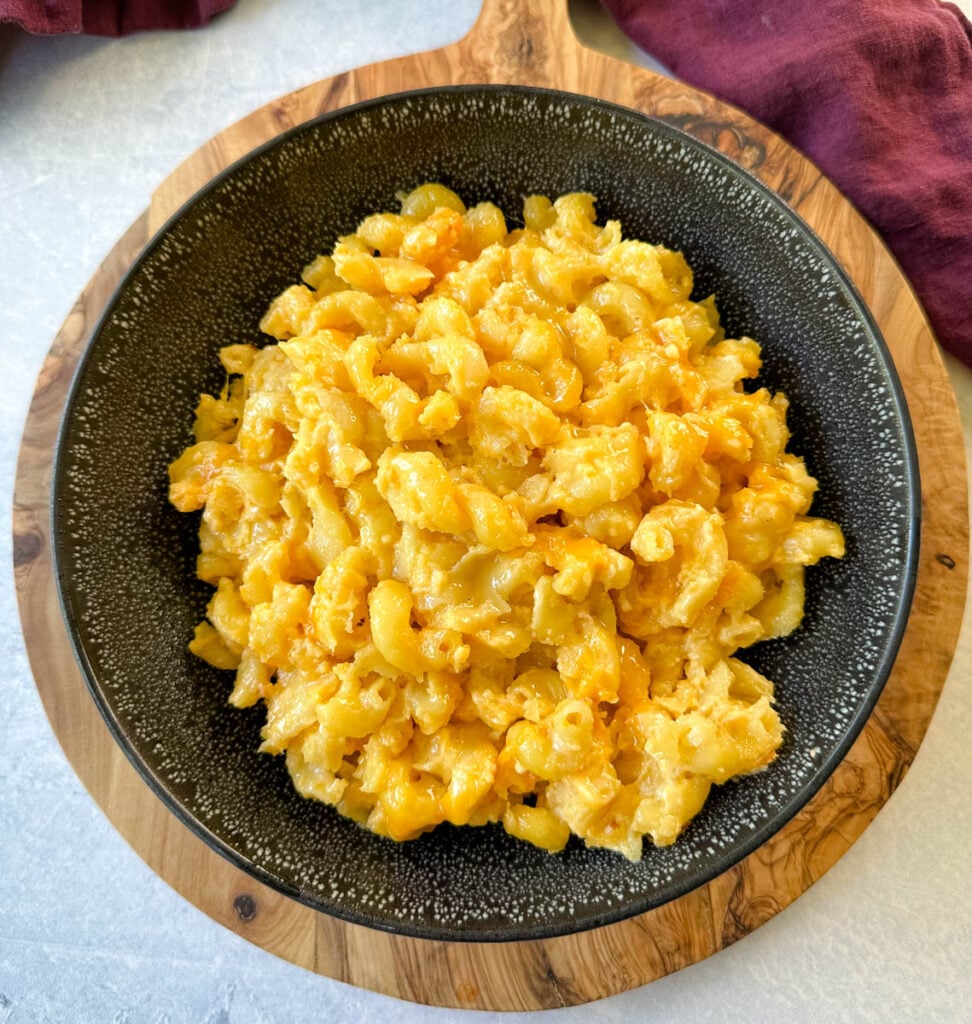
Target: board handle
519 41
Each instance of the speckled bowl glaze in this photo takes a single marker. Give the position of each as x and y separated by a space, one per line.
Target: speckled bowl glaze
125 558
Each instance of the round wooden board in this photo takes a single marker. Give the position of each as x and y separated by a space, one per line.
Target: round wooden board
527 43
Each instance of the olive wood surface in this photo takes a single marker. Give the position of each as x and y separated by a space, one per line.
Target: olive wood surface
527 42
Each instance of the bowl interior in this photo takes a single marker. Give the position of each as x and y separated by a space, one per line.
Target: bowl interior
125 558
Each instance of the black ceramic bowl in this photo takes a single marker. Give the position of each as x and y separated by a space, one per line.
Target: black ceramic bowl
125 558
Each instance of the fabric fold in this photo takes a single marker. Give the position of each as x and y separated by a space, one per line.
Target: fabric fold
109 17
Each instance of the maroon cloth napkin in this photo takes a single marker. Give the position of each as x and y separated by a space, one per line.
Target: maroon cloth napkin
109 17
878 93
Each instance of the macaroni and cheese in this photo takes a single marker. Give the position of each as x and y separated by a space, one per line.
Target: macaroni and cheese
488 523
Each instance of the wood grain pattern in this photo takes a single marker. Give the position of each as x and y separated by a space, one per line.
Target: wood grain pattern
527 42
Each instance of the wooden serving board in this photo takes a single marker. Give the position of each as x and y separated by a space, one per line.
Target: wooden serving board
527 42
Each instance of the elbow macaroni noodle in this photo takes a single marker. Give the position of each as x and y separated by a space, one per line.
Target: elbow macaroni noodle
488 523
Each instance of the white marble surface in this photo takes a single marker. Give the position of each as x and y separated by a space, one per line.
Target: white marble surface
88 933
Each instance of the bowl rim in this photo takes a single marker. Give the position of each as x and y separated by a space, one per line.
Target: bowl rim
725 860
